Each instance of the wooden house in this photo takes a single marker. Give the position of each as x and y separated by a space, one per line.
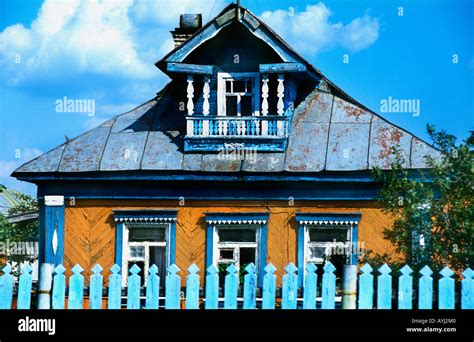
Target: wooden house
249 154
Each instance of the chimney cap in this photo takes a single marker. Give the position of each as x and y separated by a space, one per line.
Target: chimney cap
190 21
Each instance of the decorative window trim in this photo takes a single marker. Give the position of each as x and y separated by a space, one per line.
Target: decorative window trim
306 220
221 93
259 220
132 218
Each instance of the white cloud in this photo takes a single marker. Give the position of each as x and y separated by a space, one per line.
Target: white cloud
312 31
70 37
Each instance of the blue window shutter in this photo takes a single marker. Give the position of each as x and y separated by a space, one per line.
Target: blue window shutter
300 246
118 243
172 243
263 253
355 241
209 244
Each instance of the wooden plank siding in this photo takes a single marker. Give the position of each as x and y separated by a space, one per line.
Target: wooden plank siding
90 229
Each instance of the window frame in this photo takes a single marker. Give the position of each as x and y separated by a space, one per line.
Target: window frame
329 244
222 77
307 221
126 244
218 245
146 217
238 221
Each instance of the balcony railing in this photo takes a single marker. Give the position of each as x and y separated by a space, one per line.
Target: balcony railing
239 127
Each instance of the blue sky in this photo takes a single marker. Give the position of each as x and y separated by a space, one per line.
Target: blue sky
105 50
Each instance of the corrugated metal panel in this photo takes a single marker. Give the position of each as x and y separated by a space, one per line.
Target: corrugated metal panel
48 162
348 147
419 150
123 151
384 137
84 153
306 150
162 152
219 163
264 162
315 108
192 162
345 112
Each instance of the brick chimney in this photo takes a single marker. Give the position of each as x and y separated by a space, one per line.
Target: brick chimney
188 25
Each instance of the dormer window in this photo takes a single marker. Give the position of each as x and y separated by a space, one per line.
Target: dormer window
238 94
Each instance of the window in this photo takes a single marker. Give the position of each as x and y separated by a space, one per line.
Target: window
145 238
236 245
326 237
238 239
145 245
238 94
328 243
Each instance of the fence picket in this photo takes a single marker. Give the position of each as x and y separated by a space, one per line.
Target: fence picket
328 287
289 299
212 288
250 287
405 288
446 289
366 288
467 290
95 290
384 288
152 288
59 287
192 288
230 287
290 287
310 286
76 288
133 288
173 288
425 289
24 288
115 288
269 287
6 288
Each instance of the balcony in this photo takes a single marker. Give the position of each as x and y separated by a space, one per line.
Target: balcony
213 127
262 133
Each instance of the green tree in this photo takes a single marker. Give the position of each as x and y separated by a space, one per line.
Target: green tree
18 232
432 209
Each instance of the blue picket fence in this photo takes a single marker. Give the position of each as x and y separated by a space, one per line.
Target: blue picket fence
374 291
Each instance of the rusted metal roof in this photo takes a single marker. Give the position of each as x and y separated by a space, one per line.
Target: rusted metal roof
329 131
326 133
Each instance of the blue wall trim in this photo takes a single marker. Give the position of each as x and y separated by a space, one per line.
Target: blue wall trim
275 190
53 220
300 217
118 243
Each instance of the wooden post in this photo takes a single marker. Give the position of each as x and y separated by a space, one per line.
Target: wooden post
44 286
205 94
190 96
280 94
349 286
